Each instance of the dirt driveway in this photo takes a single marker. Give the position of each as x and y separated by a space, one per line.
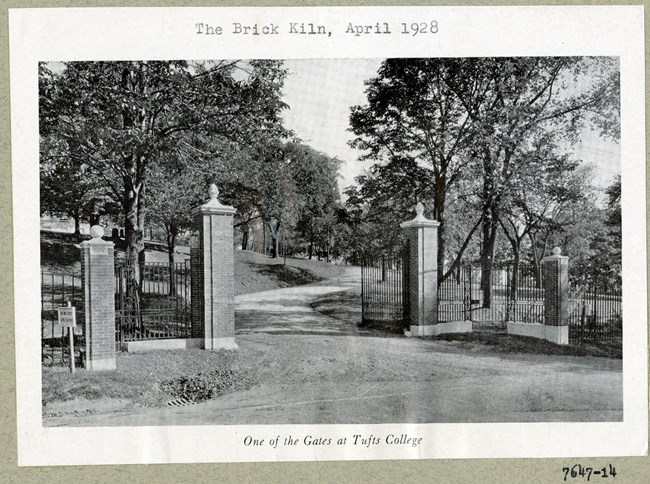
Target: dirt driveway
313 368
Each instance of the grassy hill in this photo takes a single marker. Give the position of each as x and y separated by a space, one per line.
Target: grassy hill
60 253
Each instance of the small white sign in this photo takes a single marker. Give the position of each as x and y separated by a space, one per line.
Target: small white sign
67 317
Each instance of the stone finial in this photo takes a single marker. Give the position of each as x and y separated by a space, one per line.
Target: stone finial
556 254
214 202
419 219
96 231
213 191
419 209
214 205
419 213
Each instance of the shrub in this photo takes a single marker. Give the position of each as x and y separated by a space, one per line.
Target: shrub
205 386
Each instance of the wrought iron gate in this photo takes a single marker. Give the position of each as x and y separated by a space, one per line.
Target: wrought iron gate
514 295
384 291
158 307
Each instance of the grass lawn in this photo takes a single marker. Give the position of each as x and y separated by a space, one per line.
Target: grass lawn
258 272
500 342
144 380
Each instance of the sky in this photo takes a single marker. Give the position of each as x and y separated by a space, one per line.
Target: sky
320 93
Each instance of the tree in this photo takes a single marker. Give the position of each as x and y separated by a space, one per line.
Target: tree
512 102
176 188
290 186
546 186
476 121
592 237
615 228
385 196
411 115
314 181
118 118
276 202
66 189
174 191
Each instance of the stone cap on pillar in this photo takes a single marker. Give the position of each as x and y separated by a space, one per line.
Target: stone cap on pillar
420 220
96 234
214 205
555 255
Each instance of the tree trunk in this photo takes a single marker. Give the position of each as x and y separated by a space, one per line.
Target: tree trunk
311 239
439 215
327 249
490 230
134 239
537 258
441 249
171 245
275 239
244 237
77 224
284 249
134 228
514 281
264 237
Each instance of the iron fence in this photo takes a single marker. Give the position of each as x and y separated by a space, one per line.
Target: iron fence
157 307
596 311
525 294
384 291
513 294
57 289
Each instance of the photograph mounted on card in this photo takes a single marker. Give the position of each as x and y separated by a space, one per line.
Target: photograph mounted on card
329 233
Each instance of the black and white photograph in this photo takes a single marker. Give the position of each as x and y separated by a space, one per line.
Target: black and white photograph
363 246
467 269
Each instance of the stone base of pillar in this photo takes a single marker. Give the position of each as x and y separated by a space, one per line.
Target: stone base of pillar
441 328
220 344
104 364
555 334
162 344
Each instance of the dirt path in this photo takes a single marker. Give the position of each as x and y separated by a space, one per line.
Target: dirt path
289 311
313 368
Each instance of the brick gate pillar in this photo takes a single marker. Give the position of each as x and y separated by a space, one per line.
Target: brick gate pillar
98 279
555 280
422 239
421 235
213 273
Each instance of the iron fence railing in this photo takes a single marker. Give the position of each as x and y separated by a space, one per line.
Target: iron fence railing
57 289
512 294
596 311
